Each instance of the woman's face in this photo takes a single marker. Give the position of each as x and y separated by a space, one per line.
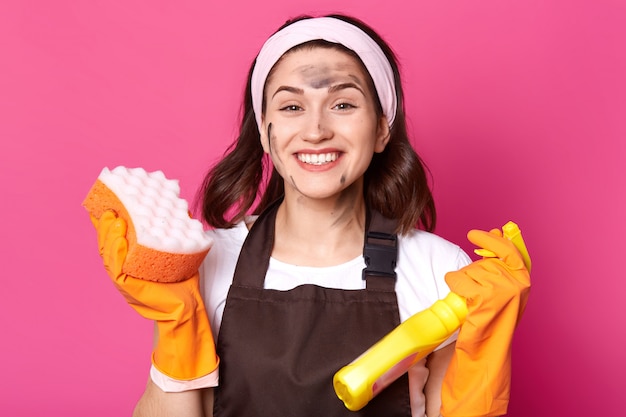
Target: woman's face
320 125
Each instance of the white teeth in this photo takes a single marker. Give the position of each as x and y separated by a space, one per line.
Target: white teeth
317 159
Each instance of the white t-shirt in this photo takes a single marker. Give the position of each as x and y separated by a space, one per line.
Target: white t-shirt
423 260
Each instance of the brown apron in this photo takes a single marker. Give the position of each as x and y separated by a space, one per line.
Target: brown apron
279 350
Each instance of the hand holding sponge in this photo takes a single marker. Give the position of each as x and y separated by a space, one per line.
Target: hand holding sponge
159 287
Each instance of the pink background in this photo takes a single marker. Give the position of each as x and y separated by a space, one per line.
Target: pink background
518 107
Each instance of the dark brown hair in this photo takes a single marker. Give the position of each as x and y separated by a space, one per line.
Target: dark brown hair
396 182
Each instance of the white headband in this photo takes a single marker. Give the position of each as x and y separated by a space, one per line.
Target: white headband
332 30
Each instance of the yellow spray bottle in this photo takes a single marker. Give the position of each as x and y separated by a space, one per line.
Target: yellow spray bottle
358 382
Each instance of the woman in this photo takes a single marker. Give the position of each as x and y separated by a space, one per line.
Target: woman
330 261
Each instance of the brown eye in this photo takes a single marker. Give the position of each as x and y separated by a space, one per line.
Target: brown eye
344 106
291 107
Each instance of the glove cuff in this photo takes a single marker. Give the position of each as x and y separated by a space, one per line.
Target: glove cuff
185 351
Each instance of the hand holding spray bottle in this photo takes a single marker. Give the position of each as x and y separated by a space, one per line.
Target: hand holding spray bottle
360 381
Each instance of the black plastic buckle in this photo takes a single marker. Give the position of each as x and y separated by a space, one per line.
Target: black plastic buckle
380 258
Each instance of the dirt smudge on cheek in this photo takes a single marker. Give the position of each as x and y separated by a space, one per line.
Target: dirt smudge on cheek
270 140
269 137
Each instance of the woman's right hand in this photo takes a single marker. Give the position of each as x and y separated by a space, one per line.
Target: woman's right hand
176 307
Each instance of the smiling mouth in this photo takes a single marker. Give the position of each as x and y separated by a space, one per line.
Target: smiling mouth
318 159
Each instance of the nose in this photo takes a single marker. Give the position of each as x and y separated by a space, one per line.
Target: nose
317 128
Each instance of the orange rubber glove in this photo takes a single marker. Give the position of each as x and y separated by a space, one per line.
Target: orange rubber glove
477 382
185 349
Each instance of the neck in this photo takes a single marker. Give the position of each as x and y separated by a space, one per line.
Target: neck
319 232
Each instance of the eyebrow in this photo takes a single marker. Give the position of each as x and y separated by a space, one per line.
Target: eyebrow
331 89
289 89
343 86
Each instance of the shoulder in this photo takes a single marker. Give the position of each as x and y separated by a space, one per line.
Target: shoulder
431 248
423 261
217 269
224 252
228 240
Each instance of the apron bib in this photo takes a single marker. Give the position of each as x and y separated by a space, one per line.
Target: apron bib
279 350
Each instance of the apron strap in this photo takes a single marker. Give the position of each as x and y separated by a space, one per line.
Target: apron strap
257 249
380 251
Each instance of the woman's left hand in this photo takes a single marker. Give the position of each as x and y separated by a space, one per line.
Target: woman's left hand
477 382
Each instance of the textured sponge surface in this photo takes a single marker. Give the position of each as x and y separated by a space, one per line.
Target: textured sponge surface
160 217
164 243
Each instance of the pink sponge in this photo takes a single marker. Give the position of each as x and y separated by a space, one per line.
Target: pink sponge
164 243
